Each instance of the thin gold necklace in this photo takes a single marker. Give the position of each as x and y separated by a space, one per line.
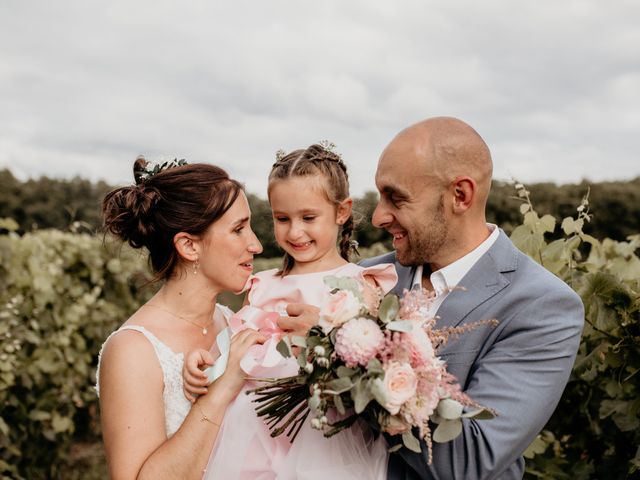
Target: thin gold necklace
203 327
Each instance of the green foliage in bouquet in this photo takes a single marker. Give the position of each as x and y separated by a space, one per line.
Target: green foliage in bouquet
61 294
375 358
595 432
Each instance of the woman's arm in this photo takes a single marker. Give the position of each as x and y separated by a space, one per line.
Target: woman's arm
132 410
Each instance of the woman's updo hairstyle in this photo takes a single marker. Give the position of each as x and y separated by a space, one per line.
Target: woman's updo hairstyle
318 160
184 198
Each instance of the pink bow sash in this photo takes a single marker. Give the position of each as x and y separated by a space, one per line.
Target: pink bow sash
260 360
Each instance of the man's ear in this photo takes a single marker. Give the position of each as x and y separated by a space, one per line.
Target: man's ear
343 212
464 193
187 246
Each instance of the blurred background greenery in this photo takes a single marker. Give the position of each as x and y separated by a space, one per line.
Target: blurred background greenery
64 288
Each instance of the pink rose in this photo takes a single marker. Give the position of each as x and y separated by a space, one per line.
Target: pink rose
341 306
399 385
396 426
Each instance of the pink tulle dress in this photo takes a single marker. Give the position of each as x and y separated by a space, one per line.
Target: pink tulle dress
244 448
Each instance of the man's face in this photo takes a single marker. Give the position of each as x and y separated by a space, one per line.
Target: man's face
411 205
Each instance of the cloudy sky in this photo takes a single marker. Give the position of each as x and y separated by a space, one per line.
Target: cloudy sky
86 86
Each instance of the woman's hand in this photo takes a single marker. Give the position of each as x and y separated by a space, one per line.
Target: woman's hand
233 378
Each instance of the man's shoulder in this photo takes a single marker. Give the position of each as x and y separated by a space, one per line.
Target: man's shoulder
535 278
384 258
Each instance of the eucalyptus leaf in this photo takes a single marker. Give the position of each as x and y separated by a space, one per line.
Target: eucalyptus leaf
395 448
313 341
411 442
479 414
298 341
447 430
344 283
337 401
378 391
343 371
361 395
389 308
283 348
449 409
374 367
339 385
302 359
400 326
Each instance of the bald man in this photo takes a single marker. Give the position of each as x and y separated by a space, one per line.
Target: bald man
434 180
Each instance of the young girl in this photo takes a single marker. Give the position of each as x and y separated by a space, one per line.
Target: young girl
309 196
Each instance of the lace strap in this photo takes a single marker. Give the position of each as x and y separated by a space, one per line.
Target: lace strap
162 350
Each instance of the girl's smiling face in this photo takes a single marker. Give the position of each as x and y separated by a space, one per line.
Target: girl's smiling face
306 224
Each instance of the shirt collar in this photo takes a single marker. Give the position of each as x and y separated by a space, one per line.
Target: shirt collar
449 276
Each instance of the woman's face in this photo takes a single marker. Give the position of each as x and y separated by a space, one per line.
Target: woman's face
228 248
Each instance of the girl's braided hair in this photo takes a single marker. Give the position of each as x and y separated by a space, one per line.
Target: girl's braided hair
318 159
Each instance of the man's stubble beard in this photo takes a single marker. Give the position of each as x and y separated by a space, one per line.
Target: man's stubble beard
424 245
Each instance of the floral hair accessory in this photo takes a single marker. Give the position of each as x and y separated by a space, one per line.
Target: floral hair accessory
148 169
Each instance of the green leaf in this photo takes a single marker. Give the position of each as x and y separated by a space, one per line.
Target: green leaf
343 283
449 409
343 371
537 447
337 401
524 208
302 359
389 308
4 428
298 341
568 226
361 395
548 223
527 241
339 385
479 414
374 367
400 325
447 430
378 391
283 348
60 423
39 415
411 442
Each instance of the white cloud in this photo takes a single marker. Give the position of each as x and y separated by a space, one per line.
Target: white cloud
86 86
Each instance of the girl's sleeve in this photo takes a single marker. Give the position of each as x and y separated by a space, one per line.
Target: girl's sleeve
384 275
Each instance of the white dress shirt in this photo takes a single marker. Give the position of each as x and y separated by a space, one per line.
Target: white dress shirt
447 278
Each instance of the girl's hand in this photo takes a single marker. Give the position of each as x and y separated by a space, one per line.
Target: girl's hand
233 378
195 380
301 318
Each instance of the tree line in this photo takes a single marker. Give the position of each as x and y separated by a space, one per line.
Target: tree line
75 205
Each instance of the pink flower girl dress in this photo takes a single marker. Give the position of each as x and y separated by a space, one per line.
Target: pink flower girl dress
244 448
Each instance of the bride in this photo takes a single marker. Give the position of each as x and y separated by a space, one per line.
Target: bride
194 221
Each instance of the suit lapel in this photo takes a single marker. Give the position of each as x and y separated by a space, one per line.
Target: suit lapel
483 281
405 278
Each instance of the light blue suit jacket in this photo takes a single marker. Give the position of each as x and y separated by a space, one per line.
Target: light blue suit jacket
519 368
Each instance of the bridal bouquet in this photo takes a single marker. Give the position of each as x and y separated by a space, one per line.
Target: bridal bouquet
375 358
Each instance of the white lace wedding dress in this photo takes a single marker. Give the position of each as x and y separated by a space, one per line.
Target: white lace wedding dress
176 405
